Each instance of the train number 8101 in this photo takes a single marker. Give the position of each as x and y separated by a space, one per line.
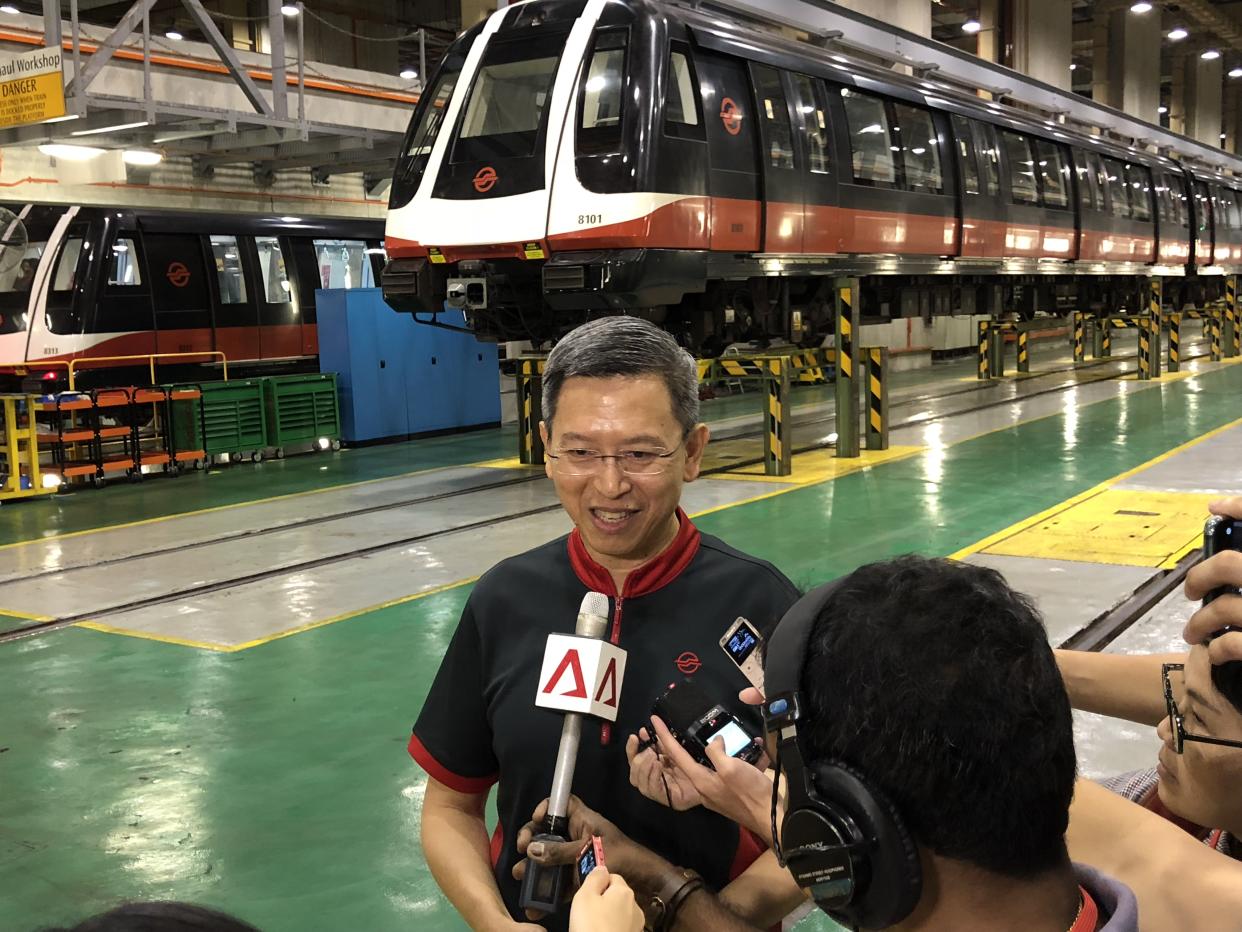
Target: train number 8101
584 219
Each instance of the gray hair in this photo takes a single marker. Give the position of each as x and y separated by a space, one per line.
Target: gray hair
625 346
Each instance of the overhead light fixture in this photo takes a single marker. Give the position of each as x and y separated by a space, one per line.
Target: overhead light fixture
58 150
408 74
1073 66
1235 72
1162 109
972 26
290 219
1141 7
115 128
143 158
289 9
1177 35
1209 54
9 10
174 35
1222 135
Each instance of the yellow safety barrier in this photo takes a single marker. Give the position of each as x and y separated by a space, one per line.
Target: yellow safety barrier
21 449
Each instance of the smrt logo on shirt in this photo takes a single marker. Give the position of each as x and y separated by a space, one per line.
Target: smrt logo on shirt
688 662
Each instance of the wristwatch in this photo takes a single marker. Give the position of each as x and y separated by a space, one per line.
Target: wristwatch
676 890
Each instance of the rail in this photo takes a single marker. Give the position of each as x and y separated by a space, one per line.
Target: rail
149 357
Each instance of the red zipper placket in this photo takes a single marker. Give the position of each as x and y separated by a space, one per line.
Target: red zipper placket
614 637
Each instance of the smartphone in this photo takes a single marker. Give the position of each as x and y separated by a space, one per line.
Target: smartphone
742 643
1221 534
592 856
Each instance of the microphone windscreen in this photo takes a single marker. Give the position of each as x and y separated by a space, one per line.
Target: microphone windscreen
594 603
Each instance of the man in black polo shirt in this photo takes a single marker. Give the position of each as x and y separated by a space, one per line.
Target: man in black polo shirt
623 435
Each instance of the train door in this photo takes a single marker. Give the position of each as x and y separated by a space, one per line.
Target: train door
988 208
1203 224
733 181
280 327
123 324
236 316
783 205
180 294
822 227
309 275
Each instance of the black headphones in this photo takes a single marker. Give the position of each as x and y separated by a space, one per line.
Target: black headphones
842 840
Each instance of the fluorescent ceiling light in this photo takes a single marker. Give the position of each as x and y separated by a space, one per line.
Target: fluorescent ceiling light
1162 109
289 9
1235 72
1073 66
1141 7
1176 35
174 35
1209 54
141 157
70 153
9 10
409 74
971 25
109 129
290 219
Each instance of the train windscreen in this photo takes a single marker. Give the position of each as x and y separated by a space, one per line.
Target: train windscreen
508 100
17 281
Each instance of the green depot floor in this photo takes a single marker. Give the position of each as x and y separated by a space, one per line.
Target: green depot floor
274 782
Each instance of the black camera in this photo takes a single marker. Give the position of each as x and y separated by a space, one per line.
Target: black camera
696 720
1220 534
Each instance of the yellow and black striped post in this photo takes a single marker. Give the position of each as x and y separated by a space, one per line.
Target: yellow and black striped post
777 445
1024 354
1213 325
1175 342
1080 348
1144 350
1149 328
1233 339
848 299
530 410
877 398
985 340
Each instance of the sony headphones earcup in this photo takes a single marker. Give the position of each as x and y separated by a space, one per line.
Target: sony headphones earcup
892 883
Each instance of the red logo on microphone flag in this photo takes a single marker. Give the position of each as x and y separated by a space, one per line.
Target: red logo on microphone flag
572 663
610 681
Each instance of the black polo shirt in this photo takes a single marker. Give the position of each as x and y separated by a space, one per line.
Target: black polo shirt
480 725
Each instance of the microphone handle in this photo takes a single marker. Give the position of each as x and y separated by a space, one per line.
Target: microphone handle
563 775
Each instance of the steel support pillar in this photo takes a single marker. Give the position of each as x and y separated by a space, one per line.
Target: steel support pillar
530 410
777 443
996 353
848 299
877 397
280 88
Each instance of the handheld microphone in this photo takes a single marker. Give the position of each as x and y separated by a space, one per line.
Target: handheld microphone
581 675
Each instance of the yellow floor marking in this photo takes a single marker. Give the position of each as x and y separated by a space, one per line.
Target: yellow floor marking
233 648
1115 526
820 466
986 542
25 616
213 508
506 462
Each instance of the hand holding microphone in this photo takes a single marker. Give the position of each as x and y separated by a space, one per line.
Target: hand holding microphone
581 674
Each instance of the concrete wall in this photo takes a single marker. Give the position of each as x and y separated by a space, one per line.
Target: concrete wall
1043 40
1203 100
1133 84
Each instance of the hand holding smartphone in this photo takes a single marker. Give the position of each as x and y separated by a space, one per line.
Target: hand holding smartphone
592 856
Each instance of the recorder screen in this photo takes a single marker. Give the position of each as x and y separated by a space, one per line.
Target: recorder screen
742 644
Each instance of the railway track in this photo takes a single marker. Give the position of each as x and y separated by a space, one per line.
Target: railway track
1100 632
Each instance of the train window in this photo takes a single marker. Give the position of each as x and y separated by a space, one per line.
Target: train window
773 107
20 278
599 122
920 149
65 278
229 274
989 158
429 120
1022 185
125 268
1053 173
814 122
966 154
1202 207
276 287
1118 192
508 100
681 103
343 264
1138 179
1088 193
871 140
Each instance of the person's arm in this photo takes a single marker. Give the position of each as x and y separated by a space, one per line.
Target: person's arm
1180 882
765 893
1124 686
456 846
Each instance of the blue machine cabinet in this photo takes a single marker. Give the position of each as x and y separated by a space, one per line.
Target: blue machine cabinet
398 378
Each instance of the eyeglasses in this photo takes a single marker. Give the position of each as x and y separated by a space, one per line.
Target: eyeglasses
581 462
1180 735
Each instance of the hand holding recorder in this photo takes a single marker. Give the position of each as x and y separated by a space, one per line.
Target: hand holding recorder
1218 582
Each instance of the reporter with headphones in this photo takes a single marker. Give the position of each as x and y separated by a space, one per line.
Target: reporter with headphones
924 741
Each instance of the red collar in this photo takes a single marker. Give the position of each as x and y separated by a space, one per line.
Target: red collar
655 574
1089 916
1154 803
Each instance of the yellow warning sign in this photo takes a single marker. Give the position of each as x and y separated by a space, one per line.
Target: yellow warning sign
1117 526
32 87
435 255
532 250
